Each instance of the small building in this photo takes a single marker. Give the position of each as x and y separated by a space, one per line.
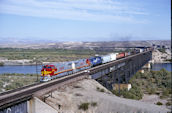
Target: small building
121 86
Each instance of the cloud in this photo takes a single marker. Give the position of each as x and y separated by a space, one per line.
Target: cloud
87 10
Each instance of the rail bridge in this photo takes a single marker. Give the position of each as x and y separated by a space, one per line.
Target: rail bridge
118 71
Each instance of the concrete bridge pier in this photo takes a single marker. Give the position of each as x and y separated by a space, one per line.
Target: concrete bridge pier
148 65
121 79
35 105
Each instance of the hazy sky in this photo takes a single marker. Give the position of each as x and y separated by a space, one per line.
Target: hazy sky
85 20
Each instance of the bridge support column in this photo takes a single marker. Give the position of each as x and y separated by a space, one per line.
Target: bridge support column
35 105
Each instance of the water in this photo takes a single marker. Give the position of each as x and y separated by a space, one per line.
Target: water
159 66
32 69
20 69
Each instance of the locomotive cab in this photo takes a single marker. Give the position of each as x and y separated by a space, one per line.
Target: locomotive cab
47 72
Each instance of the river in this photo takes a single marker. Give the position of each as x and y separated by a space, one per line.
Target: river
159 66
32 69
20 69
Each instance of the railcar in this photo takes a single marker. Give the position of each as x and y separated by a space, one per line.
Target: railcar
81 64
106 58
94 61
121 55
113 56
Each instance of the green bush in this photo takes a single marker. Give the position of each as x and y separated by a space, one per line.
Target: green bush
102 90
84 106
165 93
98 88
168 104
159 103
1 63
93 104
151 90
162 50
133 93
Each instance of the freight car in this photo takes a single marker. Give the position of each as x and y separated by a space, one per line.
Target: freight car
94 61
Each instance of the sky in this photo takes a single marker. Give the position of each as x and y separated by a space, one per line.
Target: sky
85 20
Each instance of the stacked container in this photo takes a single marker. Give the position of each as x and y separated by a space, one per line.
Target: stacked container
113 56
106 58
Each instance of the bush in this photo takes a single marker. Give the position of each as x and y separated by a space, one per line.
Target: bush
93 104
162 50
133 93
159 103
151 91
98 88
1 63
168 104
101 90
84 106
165 93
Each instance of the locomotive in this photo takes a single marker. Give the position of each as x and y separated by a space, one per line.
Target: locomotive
56 70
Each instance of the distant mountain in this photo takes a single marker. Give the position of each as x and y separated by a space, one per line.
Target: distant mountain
38 43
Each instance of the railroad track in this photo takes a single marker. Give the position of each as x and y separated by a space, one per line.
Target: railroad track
25 93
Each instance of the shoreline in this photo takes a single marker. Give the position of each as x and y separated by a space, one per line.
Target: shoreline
14 63
161 62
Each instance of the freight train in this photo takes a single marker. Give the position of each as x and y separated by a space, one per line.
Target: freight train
56 70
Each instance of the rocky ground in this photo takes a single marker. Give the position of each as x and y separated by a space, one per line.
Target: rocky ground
159 57
69 99
153 99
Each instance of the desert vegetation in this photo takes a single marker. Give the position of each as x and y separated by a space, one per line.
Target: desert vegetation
48 55
150 82
14 80
1 63
85 106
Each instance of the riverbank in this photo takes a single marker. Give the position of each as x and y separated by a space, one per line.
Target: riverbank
12 81
161 57
17 62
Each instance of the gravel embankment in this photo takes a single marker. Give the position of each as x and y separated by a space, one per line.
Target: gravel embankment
68 98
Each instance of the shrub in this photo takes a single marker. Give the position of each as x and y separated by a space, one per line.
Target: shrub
165 93
84 106
98 88
133 93
102 90
163 50
151 90
93 104
168 104
159 103
1 63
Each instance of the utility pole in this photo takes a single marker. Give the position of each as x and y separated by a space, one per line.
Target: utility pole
36 70
35 59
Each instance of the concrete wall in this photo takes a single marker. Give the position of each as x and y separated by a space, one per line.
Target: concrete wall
37 106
